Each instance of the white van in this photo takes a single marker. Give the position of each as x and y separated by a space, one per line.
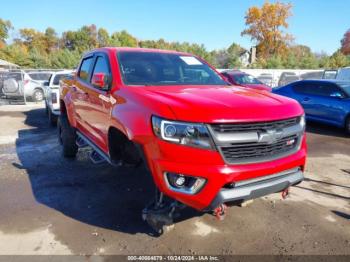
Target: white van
344 74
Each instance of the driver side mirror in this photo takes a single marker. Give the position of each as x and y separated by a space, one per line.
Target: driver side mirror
46 83
337 95
100 80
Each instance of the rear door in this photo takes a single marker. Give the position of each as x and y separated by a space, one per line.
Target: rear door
316 99
79 92
331 109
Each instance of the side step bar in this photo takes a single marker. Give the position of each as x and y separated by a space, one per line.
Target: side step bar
81 142
97 156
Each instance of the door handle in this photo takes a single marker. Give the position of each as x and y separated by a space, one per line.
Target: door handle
306 99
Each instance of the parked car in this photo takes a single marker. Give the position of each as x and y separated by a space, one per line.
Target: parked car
326 101
287 77
312 75
20 83
330 74
343 74
205 143
266 79
51 88
239 78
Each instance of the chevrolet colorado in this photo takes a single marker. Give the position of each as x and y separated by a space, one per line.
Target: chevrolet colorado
205 143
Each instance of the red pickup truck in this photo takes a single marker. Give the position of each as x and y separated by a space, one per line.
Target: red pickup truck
206 143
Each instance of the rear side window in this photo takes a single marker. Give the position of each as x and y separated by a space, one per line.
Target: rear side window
84 69
326 89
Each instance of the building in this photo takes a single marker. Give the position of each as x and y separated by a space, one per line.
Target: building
248 57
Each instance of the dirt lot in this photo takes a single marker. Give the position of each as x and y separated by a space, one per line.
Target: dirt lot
49 205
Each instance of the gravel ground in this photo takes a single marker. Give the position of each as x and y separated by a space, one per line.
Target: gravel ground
50 205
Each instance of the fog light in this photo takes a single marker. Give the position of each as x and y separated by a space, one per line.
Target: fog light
184 184
180 181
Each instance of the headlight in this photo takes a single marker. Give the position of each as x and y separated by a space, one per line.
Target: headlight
189 134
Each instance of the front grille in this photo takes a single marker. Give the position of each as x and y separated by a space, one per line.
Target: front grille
230 128
256 152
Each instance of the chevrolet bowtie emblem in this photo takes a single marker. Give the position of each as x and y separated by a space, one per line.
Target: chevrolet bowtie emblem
270 136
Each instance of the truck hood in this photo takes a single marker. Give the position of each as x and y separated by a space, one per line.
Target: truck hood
222 104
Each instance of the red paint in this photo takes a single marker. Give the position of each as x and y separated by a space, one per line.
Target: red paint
134 106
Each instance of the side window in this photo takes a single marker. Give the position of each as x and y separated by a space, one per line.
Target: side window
327 89
84 69
303 88
102 66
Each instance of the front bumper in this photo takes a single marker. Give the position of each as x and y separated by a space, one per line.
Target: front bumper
255 188
167 157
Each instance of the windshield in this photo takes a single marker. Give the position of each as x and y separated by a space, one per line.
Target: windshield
246 79
346 88
152 68
40 76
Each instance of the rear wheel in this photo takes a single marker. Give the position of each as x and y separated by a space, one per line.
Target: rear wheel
67 137
38 95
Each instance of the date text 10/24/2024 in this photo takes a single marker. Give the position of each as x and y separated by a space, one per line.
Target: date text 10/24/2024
172 258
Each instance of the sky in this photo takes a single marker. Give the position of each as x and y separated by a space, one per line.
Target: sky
319 24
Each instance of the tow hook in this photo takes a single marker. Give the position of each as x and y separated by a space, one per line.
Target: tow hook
220 212
285 193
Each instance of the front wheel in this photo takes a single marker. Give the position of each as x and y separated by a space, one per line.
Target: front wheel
67 137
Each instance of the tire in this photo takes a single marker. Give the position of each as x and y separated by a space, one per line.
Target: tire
347 125
52 118
67 137
38 95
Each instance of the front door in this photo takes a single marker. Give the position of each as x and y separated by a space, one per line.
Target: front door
98 105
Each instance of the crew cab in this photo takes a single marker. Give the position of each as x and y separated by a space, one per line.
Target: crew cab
205 142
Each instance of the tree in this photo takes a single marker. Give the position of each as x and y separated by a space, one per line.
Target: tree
64 58
33 39
265 27
338 59
300 56
103 37
345 43
227 58
51 39
5 26
82 40
123 38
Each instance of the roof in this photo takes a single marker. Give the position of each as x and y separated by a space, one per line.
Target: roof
138 49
